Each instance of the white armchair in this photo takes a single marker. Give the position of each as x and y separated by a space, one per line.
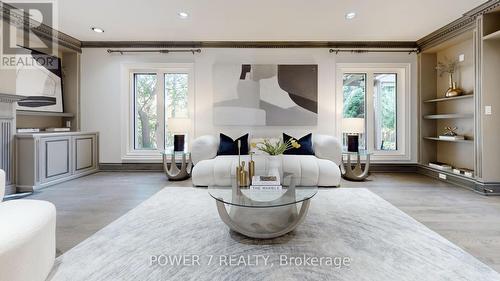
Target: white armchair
27 238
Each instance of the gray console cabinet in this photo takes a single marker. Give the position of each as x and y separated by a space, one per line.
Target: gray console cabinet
44 159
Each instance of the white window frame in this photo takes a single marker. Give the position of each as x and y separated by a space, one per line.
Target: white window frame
403 111
128 152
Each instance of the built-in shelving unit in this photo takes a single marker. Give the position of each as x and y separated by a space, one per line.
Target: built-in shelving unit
448 116
489 69
492 36
476 45
70 61
450 98
438 111
42 113
439 139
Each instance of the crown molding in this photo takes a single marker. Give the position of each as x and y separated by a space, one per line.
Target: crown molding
10 14
463 24
446 32
250 44
466 23
483 8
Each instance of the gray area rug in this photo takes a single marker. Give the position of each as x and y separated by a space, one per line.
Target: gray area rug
354 233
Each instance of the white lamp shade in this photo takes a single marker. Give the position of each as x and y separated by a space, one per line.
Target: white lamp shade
179 125
353 125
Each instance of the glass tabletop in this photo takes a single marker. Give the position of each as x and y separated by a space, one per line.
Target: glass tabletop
263 196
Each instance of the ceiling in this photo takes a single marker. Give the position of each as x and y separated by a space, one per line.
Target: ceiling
258 20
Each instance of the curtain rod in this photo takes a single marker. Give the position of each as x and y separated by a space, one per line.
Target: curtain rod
361 51
162 51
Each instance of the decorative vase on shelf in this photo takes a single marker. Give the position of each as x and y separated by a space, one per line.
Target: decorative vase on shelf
453 90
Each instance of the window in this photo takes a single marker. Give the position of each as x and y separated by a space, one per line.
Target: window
146 111
176 102
354 93
154 95
384 110
376 94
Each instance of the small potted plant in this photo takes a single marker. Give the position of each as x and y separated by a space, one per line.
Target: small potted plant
275 149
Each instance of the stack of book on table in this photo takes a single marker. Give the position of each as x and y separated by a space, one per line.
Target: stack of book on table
265 183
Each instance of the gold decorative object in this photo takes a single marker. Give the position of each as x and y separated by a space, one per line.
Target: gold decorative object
453 91
451 132
243 175
251 168
238 167
450 67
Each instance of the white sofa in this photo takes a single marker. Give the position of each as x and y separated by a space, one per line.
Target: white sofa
321 169
27 238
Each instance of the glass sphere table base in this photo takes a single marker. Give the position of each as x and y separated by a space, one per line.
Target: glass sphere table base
263 223
263 212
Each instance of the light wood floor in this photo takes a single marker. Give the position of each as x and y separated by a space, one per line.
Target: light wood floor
467 219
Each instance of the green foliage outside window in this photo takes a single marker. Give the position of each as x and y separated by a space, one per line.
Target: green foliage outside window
176 101
146 120
354 88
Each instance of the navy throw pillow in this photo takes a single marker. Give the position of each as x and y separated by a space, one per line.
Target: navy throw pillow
305 145
228 146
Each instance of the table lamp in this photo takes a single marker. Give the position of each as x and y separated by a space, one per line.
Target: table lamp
179 127
353 127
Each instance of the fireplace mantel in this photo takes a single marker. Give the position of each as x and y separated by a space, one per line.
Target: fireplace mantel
7 132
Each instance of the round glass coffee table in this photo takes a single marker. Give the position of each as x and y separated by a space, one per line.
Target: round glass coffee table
263 213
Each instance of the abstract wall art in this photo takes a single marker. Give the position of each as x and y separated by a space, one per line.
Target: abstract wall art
265 95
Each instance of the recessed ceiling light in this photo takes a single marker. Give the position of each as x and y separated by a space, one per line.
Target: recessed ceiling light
97 29
183 15
350 15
